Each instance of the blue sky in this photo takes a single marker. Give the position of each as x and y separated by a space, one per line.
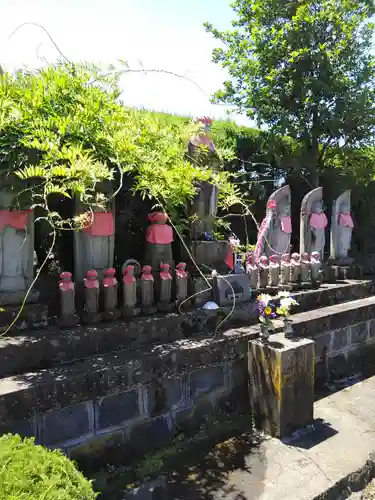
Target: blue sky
161 34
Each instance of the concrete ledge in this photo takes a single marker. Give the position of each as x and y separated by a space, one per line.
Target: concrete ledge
49 347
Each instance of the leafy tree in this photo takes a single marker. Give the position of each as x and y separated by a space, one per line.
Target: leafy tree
303 68
64 132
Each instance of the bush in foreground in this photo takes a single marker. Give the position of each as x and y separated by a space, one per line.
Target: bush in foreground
30 472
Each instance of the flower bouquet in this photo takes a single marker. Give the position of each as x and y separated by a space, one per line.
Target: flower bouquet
271 308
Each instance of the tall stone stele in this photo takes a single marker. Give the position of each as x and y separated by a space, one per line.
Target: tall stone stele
94 244
275 231
16 253
341 230
313 223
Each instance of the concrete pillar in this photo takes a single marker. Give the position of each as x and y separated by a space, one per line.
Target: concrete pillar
281 384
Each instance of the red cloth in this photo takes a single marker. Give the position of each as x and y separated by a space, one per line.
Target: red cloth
318 220
102 224
286 224
164 272
128 278
16 220
159 234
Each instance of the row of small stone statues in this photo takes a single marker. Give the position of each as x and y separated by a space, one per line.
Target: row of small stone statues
142 294
286 270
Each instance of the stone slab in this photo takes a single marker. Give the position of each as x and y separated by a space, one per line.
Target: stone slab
33 316
311 465
232 286
281 384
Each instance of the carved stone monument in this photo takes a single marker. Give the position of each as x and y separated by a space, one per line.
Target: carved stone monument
275 231
264 270
129 293
159 237
295 276
341 230
181 282
305 270
110 295
147 291
68 317
91 308
165 289
313 223
285 270
16 253
252 271
316 269
231 288
274 271
94 244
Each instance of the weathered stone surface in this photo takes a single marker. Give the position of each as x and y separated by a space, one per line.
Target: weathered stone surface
323 344
151 435
115 410
340 339
66 424
281 378
206 380
359 333
25 428
163 395
232 286
33 316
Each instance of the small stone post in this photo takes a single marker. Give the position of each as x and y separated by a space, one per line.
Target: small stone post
110 291
165 289
281 384
147 291
129 305
181 282
68 317
91 311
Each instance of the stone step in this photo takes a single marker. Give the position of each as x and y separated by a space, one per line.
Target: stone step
40 349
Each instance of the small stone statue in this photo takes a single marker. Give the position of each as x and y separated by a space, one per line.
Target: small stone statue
341 230
110 293
91 311
147 291
129 293
316 268
275 231
181 282
313 223
264 269
159 237
285 271
274 270
165 289
305 269
295 262
68 317
252 271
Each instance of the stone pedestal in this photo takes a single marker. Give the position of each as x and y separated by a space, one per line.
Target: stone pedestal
281 384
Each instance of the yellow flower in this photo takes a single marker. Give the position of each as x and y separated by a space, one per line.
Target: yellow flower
267 310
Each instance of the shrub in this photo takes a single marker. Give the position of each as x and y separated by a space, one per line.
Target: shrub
30 472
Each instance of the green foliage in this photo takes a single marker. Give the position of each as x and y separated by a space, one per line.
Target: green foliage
64 132
29 472
304 69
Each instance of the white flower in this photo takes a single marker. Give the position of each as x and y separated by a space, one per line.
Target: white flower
264 298
287 302
283 294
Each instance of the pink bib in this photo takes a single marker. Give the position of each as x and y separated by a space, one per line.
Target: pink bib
102 224
319 221
346 220
286 224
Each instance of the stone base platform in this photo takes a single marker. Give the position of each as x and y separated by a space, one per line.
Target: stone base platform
32 316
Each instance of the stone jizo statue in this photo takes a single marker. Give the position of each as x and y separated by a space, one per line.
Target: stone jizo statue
91 311
305 268
252 271
68 317
181 282
285 269
147 291
341 230
159 238
295 268
313 223
165 289
274 270
110 294
275 231
129 293
264 269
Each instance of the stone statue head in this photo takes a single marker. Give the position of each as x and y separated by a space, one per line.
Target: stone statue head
315 256
263 261
110 273
305 257
129 271
66 276
181 266
274 259
296 257
158 218
146 269
285 258
317 206
92 275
